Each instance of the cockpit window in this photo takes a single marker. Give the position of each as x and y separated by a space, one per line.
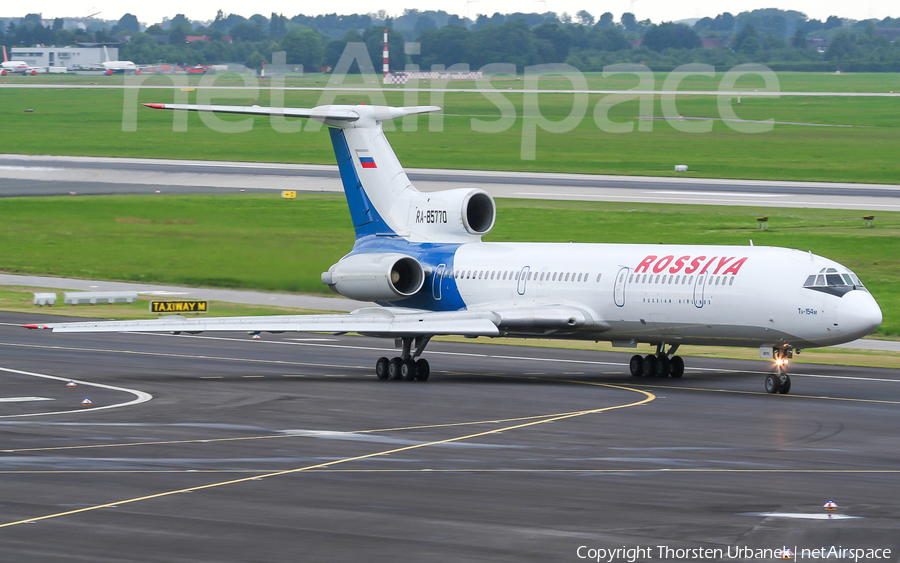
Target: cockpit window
831 278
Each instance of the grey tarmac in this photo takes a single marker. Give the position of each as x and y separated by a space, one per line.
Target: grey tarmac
24 175
288 449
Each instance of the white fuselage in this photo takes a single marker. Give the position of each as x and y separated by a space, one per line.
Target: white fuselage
14 65
708 295
119 65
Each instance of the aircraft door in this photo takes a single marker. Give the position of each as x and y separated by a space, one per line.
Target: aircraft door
438 277
523 278
699 289
621 282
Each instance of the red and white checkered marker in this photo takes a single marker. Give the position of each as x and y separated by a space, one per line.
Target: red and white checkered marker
387 65
71 385
830 505
86 402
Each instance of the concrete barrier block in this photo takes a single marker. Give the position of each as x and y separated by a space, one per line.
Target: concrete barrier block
45 299
95 297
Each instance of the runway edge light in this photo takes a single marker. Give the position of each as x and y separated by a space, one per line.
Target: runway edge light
86 402
71 385
830 505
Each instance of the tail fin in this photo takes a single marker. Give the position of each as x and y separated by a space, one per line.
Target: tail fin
105 55
5 58
372 176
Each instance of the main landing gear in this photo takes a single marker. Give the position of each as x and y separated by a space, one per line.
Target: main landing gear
405 367
780 381
659 364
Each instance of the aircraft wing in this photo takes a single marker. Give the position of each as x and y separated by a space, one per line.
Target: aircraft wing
375 321
371 321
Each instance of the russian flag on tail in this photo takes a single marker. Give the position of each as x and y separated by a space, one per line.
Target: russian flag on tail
365 158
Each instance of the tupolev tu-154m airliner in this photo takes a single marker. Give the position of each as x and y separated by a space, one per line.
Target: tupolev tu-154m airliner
420 257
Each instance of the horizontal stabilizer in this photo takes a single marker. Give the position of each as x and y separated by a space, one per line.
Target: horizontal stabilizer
334 114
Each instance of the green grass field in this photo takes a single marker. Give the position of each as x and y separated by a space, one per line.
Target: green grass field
89 122
269 243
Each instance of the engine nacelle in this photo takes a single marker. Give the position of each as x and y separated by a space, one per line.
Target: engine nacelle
376 277
460 214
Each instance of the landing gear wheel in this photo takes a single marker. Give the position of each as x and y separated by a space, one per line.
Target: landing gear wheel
394 368
423 370
773 383
648 366
663 366
381 368
677 367
636 366
785 384
408 370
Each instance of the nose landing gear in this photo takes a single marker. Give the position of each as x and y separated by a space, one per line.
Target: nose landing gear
659 364
406 366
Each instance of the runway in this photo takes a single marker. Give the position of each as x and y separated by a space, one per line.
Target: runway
288 449
137 83
25 175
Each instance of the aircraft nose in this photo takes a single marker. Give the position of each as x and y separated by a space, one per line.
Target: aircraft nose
858 314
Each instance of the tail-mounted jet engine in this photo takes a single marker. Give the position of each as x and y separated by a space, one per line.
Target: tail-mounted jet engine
452 215
376 277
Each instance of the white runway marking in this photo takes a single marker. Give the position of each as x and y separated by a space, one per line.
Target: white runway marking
804 516
23 399
29 168
140 396
726 194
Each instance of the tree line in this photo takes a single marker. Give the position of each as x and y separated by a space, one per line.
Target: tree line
782 39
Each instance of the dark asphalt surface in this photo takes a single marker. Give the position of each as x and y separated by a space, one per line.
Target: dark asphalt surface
17 188
480 463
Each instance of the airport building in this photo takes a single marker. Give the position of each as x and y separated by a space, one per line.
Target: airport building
73 58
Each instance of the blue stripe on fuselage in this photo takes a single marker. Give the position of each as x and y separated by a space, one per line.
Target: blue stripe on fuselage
431 256
366 220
